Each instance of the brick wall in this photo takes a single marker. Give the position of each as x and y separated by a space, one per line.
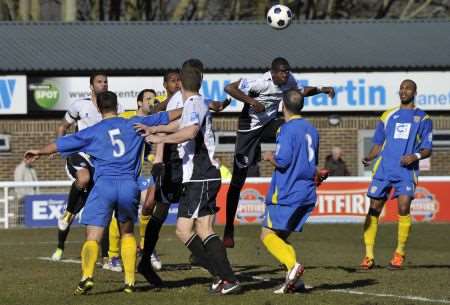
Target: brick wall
34 133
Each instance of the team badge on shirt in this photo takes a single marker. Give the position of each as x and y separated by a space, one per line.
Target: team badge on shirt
194 117
417 119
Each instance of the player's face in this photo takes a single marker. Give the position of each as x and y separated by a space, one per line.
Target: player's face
100 84
407 92
148 102
280 76
173 83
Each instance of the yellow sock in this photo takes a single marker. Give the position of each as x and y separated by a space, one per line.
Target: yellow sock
291 250
404 227
370 233
143 221
280 250
114 238
128 251
89 255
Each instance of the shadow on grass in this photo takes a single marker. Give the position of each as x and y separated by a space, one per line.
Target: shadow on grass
350 285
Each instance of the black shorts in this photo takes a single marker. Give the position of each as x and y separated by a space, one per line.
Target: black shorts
198 199
77 161
248 143
170 186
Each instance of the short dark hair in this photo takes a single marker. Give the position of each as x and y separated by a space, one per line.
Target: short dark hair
293 101
171 71
191 78
94 75
194 63
278 62
107 102
140 96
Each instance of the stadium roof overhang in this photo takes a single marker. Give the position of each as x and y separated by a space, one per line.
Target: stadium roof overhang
151 47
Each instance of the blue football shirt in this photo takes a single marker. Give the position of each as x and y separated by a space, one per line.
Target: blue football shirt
296 158
113 144
401 132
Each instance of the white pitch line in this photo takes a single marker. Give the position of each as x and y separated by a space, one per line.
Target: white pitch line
24 243
405 297
66 260
267 279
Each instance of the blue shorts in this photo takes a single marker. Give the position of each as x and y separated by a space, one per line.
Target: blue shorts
380 189
108 195
145 182
286 218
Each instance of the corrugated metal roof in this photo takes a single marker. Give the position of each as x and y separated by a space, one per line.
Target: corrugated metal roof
155 46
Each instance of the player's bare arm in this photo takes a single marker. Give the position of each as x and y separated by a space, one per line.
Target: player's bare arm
182 135
269 157
411 158
218 106
34 154
149 130
62 128
233 90
374 151
310 91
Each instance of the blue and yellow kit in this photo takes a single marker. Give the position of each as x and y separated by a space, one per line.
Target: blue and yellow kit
401 132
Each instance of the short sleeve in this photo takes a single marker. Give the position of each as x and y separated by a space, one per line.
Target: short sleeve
79 141
380 134
255 86
72 113
426 134
283 153
160 118
194 112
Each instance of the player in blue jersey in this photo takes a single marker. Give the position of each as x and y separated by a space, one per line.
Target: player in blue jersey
403 136
115 148
292 194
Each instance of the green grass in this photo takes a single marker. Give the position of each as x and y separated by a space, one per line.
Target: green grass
331 254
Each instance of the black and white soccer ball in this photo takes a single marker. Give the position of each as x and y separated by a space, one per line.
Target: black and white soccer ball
279 16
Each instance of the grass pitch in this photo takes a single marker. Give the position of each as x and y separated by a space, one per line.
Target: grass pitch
331 254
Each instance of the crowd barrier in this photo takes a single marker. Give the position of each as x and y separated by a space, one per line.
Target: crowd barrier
340 200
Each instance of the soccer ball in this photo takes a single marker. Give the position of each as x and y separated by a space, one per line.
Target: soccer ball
279 16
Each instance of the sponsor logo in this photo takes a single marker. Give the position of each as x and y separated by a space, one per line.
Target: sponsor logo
251 206
424 207
47 209
342 204
402 130
45 95
7 87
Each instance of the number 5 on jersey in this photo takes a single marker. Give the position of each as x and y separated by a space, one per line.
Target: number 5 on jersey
119 146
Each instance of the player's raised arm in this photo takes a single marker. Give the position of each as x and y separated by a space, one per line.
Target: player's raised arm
310 91
218 106
234 89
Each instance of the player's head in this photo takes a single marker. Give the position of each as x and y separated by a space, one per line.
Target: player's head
107 102
146 100
293 101
191 79
280 71
98 82
172 82
408 91
194 63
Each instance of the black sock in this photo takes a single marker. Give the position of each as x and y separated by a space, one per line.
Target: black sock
62 236
195 245
232 205
233 194
76 196
105 242
151 237
218 256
